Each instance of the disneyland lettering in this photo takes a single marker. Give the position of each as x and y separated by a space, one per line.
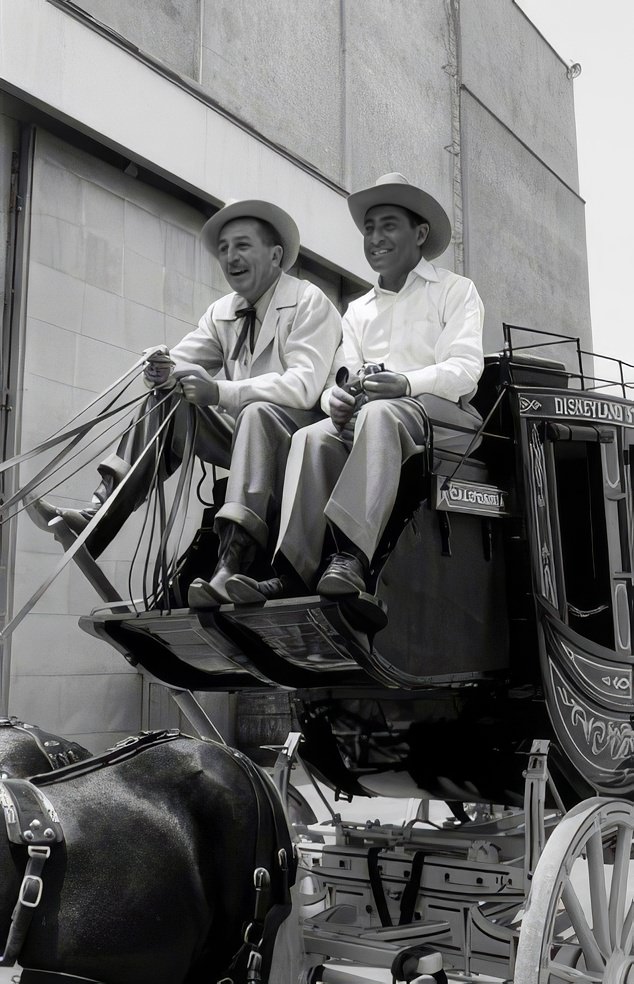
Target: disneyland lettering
591 409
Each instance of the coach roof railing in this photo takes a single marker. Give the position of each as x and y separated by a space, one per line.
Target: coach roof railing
586 379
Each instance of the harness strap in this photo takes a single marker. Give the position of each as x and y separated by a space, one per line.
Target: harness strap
256 952
58 751
125 749
410 892
31 821
378 893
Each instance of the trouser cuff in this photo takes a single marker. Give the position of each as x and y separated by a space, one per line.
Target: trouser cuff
114 466
235 512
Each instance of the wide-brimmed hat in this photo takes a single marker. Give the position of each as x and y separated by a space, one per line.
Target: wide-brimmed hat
254 208
394 189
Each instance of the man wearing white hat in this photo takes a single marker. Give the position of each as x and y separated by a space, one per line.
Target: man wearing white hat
423 324
255 368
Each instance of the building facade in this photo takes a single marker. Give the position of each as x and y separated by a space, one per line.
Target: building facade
124 126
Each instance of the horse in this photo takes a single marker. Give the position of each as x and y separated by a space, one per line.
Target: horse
26 749
153 882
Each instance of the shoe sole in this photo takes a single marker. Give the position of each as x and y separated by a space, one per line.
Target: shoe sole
365 612
200 595
334 586
242 591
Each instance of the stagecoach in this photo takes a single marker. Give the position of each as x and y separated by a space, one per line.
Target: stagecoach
493 674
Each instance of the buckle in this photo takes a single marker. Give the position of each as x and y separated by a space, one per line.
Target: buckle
39 851
253 926
24 887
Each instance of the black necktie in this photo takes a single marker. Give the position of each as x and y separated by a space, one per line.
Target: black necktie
248 329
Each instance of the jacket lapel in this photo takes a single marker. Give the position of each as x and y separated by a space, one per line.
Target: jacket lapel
285 296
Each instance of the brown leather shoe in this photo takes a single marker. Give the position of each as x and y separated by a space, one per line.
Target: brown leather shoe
344 575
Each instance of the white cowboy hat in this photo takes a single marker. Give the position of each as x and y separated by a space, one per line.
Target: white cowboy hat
394 189
253 208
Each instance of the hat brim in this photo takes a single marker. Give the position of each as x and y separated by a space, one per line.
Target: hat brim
255 209
412 198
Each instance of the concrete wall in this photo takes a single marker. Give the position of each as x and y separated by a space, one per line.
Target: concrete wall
526 247
462 96
523 216
165 29
508 66
114 267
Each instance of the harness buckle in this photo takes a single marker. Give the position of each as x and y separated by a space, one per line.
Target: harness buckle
39 851
254 967
27 882
282 858
253 927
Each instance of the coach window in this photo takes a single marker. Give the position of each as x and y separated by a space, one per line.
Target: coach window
583 531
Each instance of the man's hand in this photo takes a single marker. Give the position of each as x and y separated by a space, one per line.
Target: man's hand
341 406
157 371
197 385
385 385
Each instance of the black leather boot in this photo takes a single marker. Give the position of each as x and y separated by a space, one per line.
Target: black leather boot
236 554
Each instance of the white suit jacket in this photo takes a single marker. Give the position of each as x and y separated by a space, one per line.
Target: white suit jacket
293 352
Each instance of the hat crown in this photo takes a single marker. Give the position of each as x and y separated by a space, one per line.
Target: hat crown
393 178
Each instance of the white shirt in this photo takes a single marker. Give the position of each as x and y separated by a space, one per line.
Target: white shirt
431 331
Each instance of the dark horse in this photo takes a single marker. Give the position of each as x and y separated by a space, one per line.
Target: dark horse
153 883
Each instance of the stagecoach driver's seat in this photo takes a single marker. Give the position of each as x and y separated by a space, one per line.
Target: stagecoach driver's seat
421 329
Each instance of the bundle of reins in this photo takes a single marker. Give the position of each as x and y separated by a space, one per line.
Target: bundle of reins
164 526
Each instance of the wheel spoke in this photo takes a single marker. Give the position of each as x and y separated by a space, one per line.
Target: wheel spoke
587 942
627 933
570 975
598 894
618 888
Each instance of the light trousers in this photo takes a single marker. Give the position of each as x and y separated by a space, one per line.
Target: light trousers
254 448
354 488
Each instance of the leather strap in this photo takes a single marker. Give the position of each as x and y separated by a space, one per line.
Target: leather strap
31 822
125 749
68 555
410 892
376 884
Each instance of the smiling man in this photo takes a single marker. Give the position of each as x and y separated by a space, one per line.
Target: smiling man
254 368
423 325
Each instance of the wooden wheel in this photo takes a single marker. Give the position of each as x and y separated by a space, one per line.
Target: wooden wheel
578 927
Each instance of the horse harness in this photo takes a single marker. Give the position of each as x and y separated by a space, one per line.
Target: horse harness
32 822
59 751
272 883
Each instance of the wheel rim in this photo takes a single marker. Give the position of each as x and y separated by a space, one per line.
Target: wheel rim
579 922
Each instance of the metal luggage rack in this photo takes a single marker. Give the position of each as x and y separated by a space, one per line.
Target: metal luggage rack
584 377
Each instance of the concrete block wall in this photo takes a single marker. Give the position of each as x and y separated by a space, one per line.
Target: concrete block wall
361 87
115 266
523 215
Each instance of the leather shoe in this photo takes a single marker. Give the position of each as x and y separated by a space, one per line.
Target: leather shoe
344 575
42 512
245 590
201 595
